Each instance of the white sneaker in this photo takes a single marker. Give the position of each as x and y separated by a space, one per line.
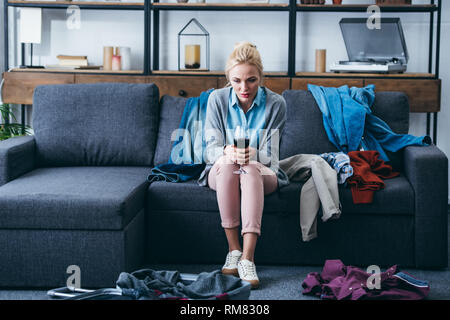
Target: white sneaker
247 272
231 263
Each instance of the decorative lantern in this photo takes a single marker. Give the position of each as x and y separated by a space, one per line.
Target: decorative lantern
193 47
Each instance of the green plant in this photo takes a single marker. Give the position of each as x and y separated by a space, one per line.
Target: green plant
10 128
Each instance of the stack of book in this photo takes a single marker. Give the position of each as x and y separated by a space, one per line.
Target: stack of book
72 62
312 1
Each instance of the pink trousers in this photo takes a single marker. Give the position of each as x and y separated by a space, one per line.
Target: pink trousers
241 194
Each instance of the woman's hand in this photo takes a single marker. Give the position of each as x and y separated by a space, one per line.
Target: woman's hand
238 155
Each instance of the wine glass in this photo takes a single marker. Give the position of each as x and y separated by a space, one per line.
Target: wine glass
241 141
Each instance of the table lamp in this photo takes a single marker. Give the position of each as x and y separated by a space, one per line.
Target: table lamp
30 32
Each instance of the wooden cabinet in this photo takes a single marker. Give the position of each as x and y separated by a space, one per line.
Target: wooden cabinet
182 86
424 94
276 84
89 78
302 83
423 91
19 86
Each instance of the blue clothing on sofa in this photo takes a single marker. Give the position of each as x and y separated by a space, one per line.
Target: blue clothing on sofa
171 172
187 154
350 124
340 162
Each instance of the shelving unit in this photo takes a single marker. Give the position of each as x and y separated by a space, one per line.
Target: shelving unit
82 4
94 5
292 76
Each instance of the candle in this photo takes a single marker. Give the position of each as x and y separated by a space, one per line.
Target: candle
107 56
192 56
321 58
115 63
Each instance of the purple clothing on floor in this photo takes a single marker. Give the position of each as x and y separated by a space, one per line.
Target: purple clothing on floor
340 282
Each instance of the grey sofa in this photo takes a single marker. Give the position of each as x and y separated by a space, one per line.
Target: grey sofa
76 193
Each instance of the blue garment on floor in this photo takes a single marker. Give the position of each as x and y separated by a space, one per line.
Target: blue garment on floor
350 124
187 154
148 284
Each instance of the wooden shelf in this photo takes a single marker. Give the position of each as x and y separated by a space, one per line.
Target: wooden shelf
81 4
50 70
221 6
363 7
106 3
423 89
408 75
210 73
154 72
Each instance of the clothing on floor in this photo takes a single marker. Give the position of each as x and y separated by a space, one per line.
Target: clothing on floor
187 155
340 162
169 285
320 189
350 124
340 282
368 174
241 194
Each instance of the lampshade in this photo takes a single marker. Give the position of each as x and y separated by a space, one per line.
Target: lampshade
30 25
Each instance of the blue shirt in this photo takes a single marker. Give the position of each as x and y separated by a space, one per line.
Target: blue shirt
253 120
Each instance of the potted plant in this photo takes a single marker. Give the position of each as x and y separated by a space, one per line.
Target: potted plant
8 124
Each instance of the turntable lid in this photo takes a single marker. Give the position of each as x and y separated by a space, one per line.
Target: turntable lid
365 44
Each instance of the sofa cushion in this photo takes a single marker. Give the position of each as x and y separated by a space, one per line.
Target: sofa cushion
305 133
84 198
383 105
95 124
171 111
189 196
396 198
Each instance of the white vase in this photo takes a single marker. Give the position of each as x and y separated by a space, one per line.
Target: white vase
125 53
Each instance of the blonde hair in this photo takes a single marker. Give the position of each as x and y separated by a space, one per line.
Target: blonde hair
244 52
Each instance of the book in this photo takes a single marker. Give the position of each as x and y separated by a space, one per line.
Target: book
62 56
66 60
72 62
72 67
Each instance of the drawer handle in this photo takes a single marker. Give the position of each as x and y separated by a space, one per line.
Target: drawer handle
182 93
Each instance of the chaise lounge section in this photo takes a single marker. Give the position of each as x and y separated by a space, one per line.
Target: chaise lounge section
74 193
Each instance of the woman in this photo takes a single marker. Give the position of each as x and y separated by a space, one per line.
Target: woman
241 192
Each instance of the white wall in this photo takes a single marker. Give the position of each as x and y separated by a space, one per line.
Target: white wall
268 30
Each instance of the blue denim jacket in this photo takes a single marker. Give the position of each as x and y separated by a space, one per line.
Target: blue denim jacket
186 156
350 124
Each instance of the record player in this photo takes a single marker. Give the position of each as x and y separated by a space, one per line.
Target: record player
373 50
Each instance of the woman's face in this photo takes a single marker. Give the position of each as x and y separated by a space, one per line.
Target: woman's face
245 80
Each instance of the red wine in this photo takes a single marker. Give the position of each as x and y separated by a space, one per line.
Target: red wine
241 143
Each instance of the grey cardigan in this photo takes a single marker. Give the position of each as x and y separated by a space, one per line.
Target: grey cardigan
215 132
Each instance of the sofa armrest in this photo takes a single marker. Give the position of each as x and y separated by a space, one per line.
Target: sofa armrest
427 170
17 156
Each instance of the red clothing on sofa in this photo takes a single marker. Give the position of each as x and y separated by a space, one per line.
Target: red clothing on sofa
368 172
